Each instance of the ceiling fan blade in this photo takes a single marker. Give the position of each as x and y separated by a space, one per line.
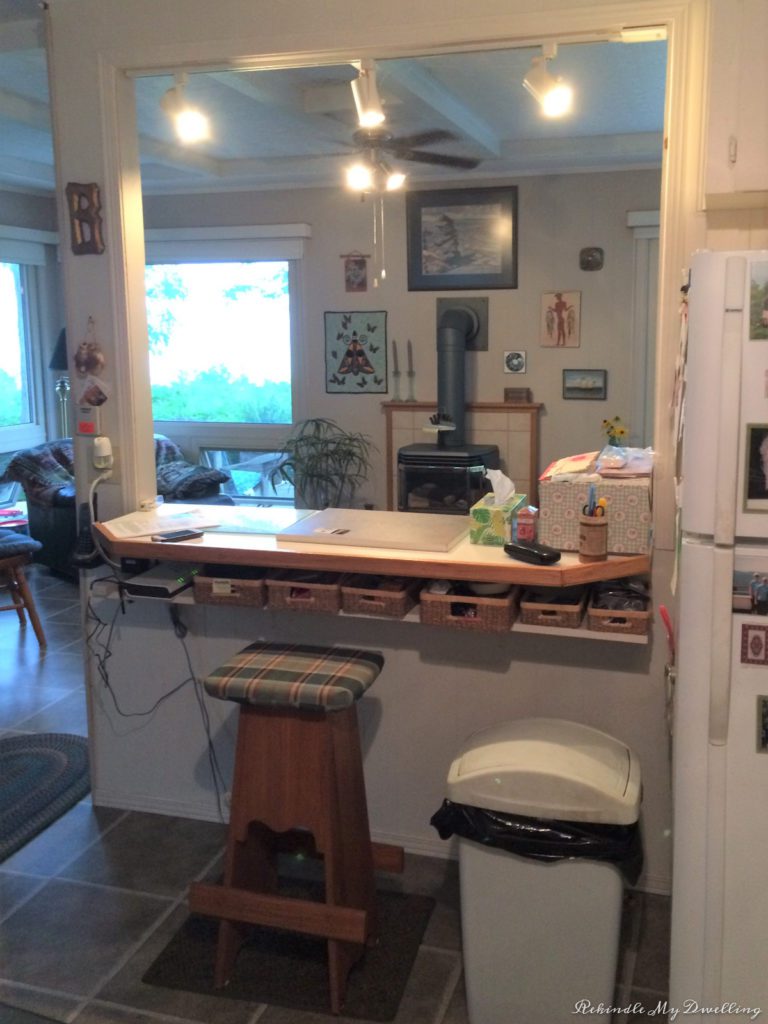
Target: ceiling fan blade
442 159
421 138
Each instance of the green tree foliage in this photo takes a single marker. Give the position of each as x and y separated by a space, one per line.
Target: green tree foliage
10 401
214 397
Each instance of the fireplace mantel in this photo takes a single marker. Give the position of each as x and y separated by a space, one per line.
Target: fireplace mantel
514 428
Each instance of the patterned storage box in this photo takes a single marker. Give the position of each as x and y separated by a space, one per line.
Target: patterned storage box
606 620
300 591
391 596
629 512
491 524
469 611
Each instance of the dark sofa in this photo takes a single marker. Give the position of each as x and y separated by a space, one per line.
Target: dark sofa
46 474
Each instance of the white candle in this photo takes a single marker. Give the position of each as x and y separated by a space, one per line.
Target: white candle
410 357
395 367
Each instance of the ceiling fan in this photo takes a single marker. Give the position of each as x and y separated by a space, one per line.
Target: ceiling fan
381 142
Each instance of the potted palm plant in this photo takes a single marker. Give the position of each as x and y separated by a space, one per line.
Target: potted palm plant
325 463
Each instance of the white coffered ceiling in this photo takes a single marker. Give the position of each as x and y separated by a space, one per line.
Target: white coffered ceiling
294 127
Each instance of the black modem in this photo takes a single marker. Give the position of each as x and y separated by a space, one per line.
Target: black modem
165 580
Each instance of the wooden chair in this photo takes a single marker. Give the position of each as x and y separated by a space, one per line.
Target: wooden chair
16 551
298 782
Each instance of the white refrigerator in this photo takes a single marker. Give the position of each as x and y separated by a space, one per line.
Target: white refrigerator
719 966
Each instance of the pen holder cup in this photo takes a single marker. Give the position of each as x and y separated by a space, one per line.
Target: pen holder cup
593 539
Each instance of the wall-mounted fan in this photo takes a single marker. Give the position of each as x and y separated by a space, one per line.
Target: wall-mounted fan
404 147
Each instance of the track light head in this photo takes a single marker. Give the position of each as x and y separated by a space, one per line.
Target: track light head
553 94
366 95
190 123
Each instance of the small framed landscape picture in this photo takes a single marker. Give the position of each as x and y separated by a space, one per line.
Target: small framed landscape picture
586 384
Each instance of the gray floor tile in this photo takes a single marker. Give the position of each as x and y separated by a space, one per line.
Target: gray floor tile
64 671
14 889
23 702
127 988
62 841
68 936
150 853
66 715
652 968
47 1004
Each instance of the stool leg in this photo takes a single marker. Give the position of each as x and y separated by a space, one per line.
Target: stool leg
249 863
13 590
29 603
349 872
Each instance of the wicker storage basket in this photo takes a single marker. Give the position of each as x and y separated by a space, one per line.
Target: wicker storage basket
390 596
608 620
536 610
231 586
296 590
469 611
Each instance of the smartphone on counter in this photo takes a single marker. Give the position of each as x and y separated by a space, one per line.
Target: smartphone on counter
174 535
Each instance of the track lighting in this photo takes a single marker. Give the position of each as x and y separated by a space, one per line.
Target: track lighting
190 123
366 95
553 94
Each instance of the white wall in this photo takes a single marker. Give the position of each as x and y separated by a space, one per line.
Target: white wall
557 216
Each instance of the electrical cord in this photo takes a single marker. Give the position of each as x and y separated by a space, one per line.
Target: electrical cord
99 644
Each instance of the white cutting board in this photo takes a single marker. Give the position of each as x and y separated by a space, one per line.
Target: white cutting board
411 531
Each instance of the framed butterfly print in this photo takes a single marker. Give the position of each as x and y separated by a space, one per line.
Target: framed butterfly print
356 353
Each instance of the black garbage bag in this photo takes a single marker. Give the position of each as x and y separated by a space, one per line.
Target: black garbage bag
544 839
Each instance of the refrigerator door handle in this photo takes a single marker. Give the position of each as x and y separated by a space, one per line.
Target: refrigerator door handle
719 642
726 474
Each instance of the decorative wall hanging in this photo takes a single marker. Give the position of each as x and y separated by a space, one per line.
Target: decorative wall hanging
560 319
462 238
355 271
514 362
585 384
84 205
89 362
591 258
356 353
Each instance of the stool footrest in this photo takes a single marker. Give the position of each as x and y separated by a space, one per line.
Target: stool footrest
346 924
387 857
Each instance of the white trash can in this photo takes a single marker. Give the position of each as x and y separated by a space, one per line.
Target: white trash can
546 813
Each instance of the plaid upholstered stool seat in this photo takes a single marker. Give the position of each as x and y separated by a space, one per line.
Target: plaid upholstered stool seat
298 784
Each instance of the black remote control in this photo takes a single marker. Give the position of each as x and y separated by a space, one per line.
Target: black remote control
529 551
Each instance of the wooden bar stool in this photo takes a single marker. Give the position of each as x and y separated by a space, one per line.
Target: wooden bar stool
16 551
298 783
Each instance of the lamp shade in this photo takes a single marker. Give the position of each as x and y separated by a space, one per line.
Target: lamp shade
59 357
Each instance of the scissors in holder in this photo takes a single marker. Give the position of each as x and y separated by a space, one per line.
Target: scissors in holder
594 510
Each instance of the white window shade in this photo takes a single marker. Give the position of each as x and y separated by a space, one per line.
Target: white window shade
250 242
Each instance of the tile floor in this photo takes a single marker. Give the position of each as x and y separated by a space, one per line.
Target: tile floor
87 905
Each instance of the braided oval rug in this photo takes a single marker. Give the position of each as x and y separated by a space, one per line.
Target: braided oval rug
41 776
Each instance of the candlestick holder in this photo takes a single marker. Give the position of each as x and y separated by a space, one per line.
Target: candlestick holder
411 396
396 386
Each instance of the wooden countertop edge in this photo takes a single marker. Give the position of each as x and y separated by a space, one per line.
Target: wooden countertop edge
335 559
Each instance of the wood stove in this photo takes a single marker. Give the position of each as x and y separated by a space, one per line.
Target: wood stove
431 478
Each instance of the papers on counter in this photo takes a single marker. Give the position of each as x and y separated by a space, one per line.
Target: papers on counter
159 520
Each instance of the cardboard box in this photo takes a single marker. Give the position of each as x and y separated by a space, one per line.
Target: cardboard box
629 512
491 524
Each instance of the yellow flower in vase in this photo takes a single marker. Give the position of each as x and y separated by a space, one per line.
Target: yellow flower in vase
616 433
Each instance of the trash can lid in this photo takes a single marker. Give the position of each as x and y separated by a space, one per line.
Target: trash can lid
548 768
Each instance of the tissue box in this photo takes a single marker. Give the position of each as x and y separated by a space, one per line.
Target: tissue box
629 512
491 524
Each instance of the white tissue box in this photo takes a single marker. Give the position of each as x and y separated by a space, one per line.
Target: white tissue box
491 524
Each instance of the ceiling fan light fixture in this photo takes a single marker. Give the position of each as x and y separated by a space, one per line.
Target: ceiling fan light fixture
395 180
366 95
360 177
554 96
190 123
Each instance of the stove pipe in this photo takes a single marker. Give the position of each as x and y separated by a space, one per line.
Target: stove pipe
457 326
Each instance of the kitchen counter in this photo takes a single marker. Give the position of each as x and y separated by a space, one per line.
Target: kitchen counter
465 561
